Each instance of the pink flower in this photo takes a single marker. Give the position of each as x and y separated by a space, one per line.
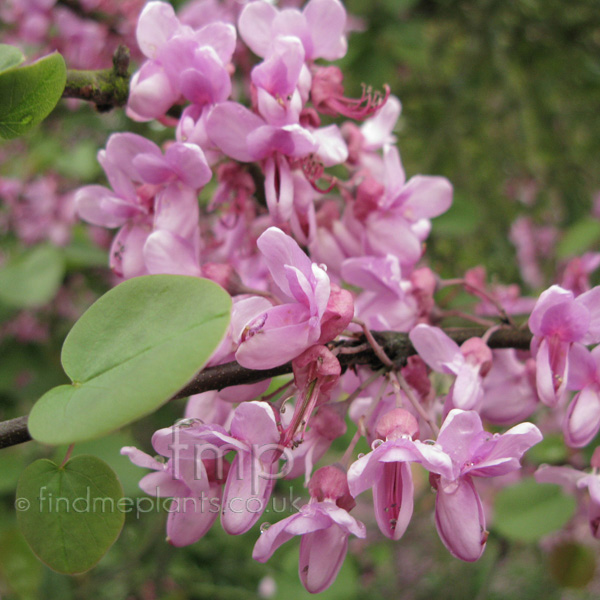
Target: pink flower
254 437
194 481
183 62
582 421
557 321
572 479
154 201
320 28
509 392
459 516
387 470
270 335
324 524
470 362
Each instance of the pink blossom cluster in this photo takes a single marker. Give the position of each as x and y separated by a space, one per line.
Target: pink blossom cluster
310 257
37 210
85 32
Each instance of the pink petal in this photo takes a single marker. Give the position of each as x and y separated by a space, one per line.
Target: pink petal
591 301
273 537
327 22
166 252
126 252
157 23
291 140
244 312
567 477
286 334
99 206
377 131
279 250
582 421
322 554
440 352
150 93
582 367
220 37
141 459
162 484
279 73
552 296
395 178
254 26
389 233
208 82
254 423
279 188
460 521
120 156
190 518
546 376
426 197
176 210
501 454
247 491
467 389
189 162
459 428
393 499
228 126
332 149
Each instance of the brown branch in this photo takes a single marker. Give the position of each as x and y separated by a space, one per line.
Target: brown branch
106 88
396 345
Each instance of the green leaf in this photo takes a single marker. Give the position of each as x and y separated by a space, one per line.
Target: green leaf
572 565
129 353
32 278
70 515
551 450
527 511
10 57
579 238
29 94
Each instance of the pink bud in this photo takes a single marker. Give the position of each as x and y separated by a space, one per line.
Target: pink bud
331 483
396 424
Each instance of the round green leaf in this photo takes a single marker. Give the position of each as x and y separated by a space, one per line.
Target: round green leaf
529 510
129 353
10 56
29 94
70 515
572 565
32 278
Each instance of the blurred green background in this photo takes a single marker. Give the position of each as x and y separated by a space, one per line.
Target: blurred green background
503 98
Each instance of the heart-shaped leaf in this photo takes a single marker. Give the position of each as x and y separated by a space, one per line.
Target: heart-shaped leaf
10 56
129 353
32 278
70 515
28 94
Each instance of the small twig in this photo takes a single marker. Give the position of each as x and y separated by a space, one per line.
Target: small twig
399 379
463 315
379 351
481 292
